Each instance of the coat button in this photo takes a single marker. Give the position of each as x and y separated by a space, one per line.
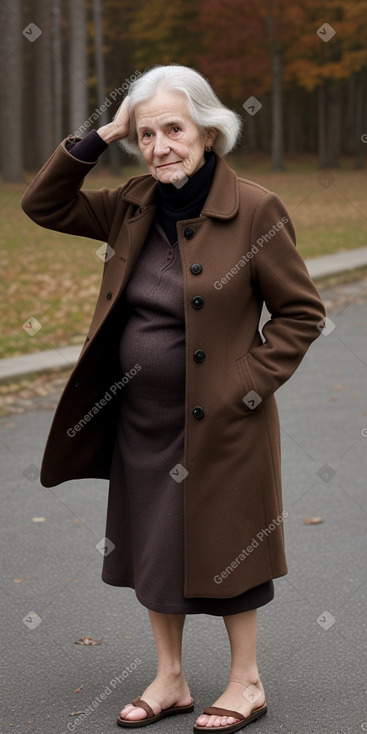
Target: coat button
199 356
109 295
87 338
198 412
196 268
188 233
197 302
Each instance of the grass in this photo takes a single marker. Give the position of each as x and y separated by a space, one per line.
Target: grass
56 278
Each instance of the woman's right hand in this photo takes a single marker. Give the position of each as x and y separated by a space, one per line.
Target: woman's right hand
119 127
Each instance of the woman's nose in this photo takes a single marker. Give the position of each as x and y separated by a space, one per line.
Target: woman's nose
161 146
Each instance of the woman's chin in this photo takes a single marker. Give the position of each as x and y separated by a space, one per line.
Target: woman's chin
169 175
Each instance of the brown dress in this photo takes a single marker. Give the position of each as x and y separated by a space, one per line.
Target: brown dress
145 506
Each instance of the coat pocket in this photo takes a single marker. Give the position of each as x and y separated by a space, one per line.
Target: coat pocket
251 398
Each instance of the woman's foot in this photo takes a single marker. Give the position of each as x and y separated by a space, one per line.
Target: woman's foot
163 692
240 697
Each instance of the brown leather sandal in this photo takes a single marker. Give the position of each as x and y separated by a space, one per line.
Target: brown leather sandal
151 716
243 721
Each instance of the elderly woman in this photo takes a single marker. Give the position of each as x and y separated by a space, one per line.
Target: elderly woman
172 398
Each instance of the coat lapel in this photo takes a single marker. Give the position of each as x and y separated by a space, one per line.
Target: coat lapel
141 194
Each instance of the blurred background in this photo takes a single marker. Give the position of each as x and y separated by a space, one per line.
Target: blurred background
62 59
295 71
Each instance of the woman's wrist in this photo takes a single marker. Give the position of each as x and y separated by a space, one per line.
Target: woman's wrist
88 149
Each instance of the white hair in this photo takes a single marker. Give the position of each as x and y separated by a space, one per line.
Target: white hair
206 109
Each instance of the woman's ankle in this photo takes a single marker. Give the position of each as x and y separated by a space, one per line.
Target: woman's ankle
174 672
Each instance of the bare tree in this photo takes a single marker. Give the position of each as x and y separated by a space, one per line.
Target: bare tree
276 89
113 155
99 58
57 69
360 117
42 84
78 64
11 107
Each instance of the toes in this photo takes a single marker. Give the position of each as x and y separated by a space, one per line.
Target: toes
215 721
129 707
202 720
133 713
210 721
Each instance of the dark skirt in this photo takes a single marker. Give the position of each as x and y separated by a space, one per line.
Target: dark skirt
145 506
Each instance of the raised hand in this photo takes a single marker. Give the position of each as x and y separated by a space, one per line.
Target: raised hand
119 127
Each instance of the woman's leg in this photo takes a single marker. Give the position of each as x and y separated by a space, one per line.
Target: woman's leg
169 686
244 692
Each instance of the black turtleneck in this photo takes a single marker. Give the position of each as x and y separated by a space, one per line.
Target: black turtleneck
187 202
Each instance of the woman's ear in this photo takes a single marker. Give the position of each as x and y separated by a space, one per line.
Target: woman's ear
210 136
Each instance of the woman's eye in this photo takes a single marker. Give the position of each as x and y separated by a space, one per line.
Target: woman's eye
147 134
176 129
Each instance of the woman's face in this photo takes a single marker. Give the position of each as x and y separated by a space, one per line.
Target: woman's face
171 143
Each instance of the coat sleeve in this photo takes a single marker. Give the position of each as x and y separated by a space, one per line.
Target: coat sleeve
54 199
281 277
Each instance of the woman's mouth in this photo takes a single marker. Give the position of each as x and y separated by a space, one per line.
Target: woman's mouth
164 165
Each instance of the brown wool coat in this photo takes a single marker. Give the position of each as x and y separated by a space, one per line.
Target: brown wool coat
233 501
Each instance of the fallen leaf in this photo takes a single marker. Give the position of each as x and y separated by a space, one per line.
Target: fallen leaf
17 581
87 640
314 520
77 690
38 519
75 713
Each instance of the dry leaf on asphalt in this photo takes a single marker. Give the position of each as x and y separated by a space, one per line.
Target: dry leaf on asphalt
87 640
75 713
77 690
314 520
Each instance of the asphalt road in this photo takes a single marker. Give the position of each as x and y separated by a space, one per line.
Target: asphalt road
312 644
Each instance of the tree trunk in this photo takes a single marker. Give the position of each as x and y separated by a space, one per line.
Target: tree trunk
276 91
112 154
333 126
99 59
78 65
321 100
277 112
250 134
11 104
42 87
292 134
57 70
360 116
348 137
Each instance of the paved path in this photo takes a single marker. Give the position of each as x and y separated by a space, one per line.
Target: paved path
319 267
312 643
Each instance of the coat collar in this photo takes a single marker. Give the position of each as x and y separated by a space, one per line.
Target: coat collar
222 201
